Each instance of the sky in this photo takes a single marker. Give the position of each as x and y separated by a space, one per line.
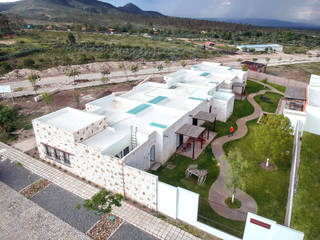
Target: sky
291 10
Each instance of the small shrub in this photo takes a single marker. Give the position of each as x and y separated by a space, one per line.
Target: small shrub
28 62
78 206
103 201
18 164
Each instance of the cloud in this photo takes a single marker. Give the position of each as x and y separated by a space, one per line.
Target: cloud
292 10
226 3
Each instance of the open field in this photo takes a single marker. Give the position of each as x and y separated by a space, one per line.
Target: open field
306 207
44 49
299 72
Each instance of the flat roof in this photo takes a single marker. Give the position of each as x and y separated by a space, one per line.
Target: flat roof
314 80
70 119
258 45
190 130
296 93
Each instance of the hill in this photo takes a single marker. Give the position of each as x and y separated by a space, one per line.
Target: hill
100 13
131 8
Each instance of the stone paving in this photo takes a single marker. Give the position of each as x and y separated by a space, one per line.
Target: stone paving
139 218
21 219
218 191
26 145
129 232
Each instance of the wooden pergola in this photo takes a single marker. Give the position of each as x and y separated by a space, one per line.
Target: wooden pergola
193 132
208 118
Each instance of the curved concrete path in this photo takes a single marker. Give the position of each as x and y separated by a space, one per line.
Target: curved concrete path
218 191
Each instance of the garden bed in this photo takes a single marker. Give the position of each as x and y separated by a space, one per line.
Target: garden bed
31 190
105 227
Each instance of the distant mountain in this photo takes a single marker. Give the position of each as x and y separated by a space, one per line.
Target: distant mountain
267 23
96 12
131 8
80 11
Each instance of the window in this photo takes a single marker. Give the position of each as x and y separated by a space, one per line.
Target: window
66 157
57 155
126 151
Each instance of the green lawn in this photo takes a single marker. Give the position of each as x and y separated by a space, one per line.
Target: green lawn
278 87
267 106
306 206
241 109
268 188
176 177
253 87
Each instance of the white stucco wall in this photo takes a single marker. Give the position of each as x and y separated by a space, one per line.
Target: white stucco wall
140 157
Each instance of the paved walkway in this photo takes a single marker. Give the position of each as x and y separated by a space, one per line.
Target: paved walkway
139 218
218 191
26 145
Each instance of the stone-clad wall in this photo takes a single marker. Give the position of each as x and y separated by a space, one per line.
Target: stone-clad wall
108 172
84 161
141 186
90 130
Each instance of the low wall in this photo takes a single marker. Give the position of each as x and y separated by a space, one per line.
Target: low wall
277 80
182 204
140 186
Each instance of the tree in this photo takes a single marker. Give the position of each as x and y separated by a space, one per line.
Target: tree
134 69
33 78
48 99
70 38
106 72
160 67
244 67
123 68
183 63
8 118
237 168
73 73
76 96
273 137
102 202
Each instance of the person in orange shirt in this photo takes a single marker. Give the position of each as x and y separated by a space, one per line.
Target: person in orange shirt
231 131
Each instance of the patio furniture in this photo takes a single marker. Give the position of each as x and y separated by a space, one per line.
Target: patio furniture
201 174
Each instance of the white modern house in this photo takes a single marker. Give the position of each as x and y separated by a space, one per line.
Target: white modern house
309 114
261 47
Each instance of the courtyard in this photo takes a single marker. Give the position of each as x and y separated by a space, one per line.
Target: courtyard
267 188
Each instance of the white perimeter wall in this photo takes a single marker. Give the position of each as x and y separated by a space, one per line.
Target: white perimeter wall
182 204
